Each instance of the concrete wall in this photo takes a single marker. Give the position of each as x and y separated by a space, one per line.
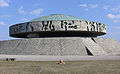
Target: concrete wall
111 46
43 46
60 46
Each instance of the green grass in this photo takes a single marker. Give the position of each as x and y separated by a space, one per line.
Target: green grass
71 67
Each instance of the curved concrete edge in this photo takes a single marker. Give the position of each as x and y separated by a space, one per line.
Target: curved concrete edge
57 58
24 30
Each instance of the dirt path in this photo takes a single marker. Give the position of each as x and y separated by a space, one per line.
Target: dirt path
56 58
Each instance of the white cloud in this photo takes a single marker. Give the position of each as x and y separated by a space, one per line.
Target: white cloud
83 5
87 6
34 12
93 5
21 11
4 3
37 11
113 16
2 23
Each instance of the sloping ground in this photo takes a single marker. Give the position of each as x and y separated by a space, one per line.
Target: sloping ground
71 67
61 46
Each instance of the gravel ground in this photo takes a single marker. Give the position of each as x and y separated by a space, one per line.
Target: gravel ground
56 58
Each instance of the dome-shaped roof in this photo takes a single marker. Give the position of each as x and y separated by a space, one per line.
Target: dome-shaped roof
57 25
56 17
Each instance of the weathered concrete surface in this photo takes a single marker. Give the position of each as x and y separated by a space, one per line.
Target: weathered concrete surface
56 24
43 46
61 46
111 46
95 49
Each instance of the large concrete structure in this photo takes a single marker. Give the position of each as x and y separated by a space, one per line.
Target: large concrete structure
57 25
59 35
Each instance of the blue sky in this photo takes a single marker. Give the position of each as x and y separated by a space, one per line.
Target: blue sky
103 11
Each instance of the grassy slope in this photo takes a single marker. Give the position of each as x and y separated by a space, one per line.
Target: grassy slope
74 67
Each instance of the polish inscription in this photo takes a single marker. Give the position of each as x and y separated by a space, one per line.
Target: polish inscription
68 25
95 26
57 26
47 25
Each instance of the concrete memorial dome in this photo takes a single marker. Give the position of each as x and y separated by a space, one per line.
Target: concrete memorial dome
59 35
57 25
